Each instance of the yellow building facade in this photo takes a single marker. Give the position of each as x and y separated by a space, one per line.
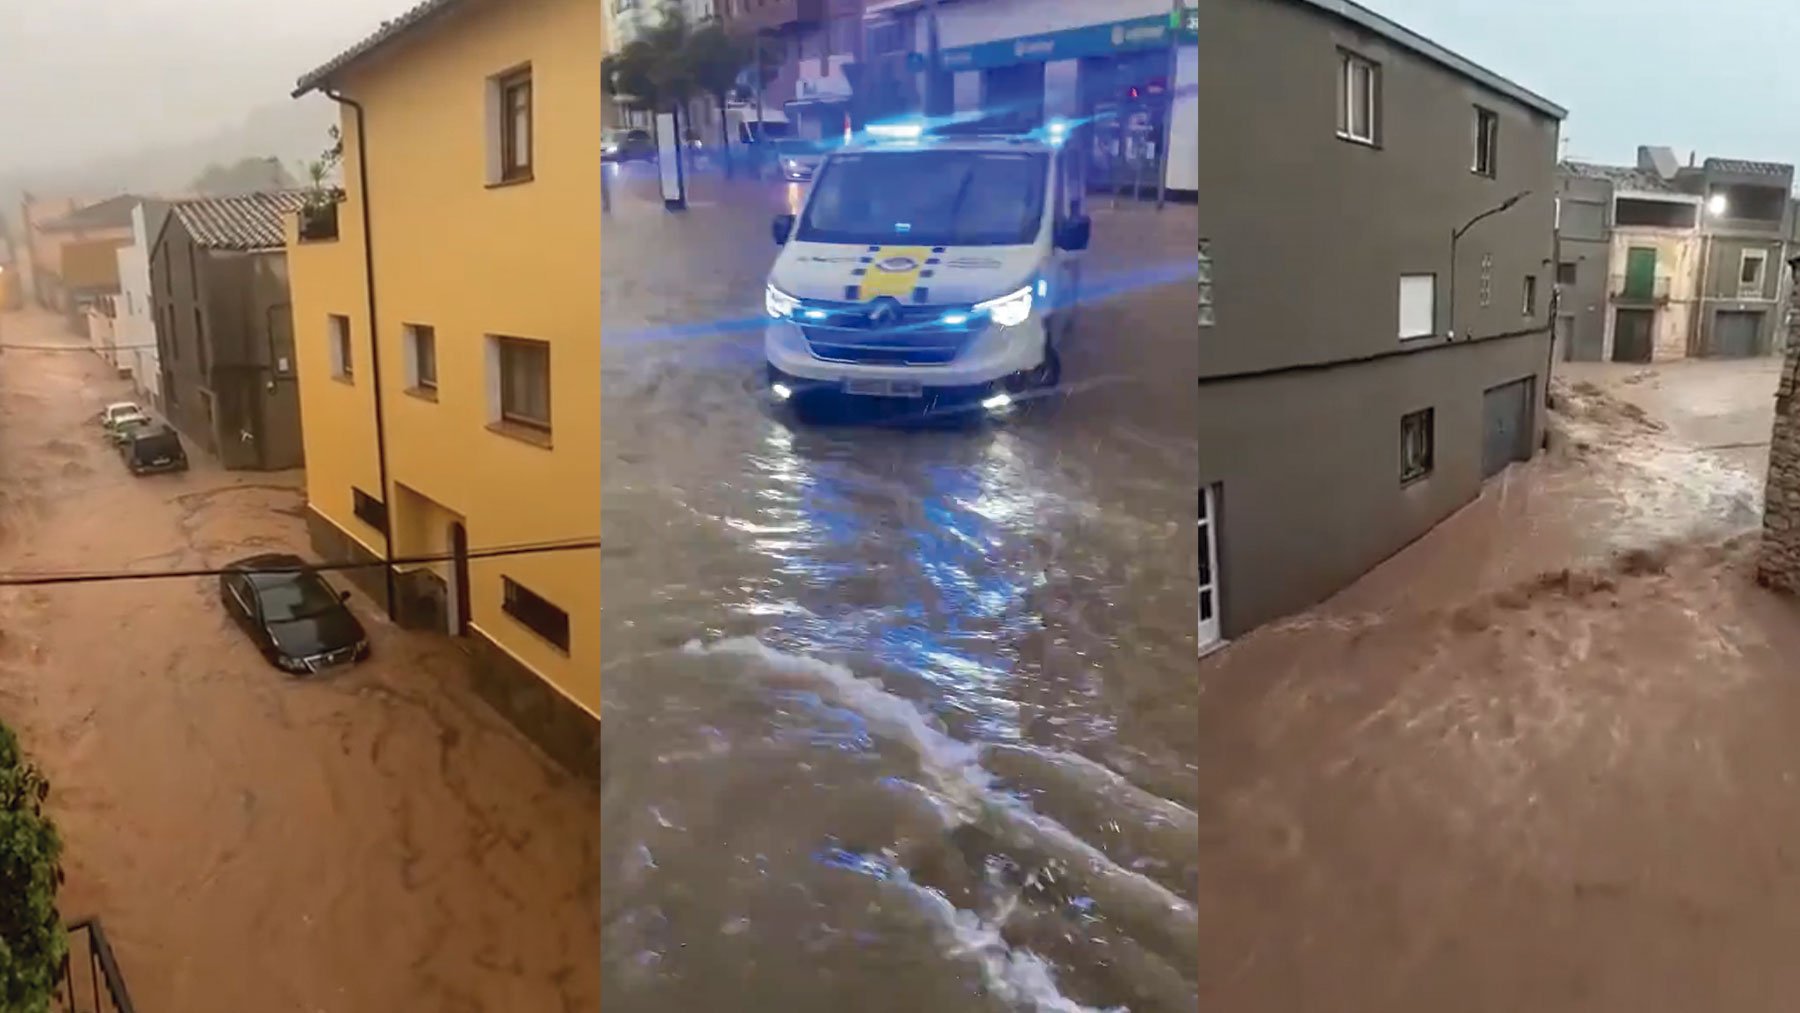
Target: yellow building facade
471 138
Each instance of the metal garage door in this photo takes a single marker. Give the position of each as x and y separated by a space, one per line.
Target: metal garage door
1506 417
1734 333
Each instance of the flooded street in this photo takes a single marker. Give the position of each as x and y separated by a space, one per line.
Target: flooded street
1555 734
371 840
896 719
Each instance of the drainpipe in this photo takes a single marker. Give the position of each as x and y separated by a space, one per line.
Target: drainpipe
381 460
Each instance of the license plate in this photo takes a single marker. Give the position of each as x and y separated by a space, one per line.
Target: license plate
160 460
884 388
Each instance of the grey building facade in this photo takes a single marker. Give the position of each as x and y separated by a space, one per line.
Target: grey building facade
1662 260
1358 383
224 328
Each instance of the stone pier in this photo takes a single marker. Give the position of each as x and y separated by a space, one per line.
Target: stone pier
1779 564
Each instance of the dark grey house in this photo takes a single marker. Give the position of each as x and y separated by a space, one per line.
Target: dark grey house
1377 218
224 328
1661 260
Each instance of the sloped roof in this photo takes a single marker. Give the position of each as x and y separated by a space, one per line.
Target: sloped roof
1742 167
250 222
320 77
111 213
1622 176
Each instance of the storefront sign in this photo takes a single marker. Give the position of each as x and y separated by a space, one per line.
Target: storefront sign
1089 40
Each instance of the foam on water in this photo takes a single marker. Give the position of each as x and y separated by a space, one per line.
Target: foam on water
967 790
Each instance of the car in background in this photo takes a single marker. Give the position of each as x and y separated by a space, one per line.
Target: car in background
122 427
627 145
798 160
148 450
118 410
297 620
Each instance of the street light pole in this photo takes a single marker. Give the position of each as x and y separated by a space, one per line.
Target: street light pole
1457 234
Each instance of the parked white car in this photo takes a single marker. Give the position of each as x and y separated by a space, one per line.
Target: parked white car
112 413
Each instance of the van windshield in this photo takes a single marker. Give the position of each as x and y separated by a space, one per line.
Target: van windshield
930 198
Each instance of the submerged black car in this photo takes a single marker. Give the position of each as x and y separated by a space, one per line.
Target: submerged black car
153 449
297 620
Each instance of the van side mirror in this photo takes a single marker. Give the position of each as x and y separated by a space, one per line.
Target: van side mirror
1075 233
781 228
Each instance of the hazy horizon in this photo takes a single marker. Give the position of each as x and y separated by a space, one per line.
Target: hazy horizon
97 79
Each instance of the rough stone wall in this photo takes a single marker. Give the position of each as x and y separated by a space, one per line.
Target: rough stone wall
1779 565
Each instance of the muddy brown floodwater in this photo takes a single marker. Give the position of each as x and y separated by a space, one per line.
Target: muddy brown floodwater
1542 760
374 840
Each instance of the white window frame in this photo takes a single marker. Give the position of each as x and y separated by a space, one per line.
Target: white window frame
497 115
1528 296
1487 137
496 383
343 355
1410 323
1761 256
1210 631
1348 64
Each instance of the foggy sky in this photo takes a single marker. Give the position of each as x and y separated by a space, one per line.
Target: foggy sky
1719 76
92 77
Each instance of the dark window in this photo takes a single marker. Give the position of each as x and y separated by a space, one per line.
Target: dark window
343 362
1530 301
1487 142
424 356
536 613
200 343
525 382
1654 213
370 510
1565 273
1416 439
515 126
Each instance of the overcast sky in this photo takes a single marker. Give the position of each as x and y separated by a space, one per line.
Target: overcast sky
1719 76
87 77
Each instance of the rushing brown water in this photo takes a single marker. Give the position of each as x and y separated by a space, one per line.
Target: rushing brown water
375 840
896 720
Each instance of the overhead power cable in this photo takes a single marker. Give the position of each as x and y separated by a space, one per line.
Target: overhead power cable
117 576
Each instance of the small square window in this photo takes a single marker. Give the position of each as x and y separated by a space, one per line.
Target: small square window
524 379
1359 90
1750 271
1565 273
369 510
1487 142
536 613
1416 439
343 361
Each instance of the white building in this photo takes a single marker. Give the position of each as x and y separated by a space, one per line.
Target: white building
1123 67
134 322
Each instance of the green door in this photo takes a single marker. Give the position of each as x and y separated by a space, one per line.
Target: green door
1640 272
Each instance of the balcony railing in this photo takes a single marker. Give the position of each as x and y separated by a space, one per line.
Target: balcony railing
91 980
1630 288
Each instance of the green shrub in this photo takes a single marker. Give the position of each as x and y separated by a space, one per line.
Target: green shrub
32 940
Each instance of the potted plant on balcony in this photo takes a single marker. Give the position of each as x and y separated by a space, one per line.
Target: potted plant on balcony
319 211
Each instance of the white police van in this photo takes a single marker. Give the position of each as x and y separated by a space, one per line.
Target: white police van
941 270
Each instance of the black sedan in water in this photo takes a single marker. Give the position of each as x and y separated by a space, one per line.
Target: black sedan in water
293 616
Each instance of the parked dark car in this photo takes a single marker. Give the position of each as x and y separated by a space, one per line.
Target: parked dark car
149 450
296 619
627 146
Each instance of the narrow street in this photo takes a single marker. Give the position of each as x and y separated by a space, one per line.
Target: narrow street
374 839
1555 734
897 719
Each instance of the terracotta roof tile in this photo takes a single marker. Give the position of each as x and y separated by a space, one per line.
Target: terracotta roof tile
250 222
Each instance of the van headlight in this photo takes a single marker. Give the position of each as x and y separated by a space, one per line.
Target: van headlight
779 304
1010 310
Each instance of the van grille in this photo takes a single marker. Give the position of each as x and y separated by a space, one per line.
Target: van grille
906 336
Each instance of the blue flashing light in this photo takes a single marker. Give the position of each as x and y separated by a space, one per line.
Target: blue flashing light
897 131
954 319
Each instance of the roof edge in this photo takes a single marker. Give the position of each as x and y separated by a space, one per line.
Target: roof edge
1364 18
319 78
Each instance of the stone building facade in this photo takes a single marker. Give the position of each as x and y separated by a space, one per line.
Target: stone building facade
1779 565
